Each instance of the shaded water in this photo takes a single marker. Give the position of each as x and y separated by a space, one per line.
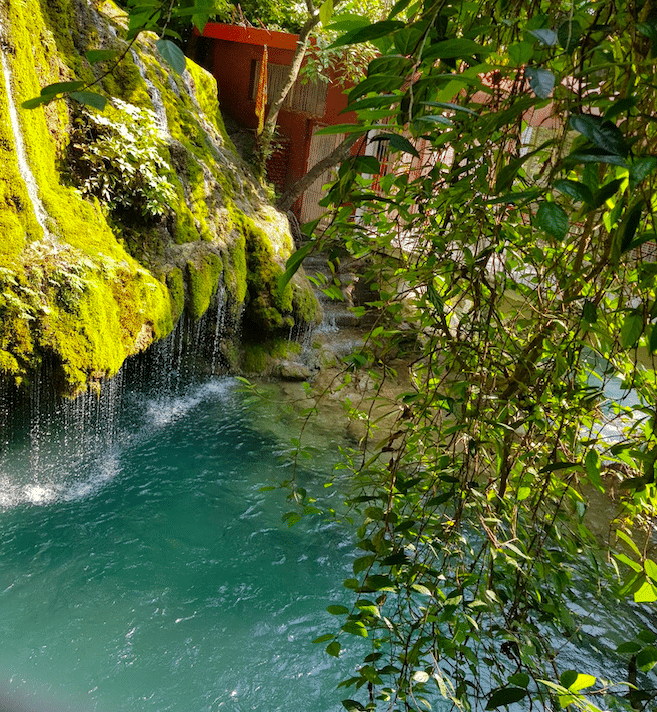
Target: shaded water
155 574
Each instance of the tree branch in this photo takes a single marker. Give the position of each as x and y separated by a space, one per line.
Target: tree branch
339 154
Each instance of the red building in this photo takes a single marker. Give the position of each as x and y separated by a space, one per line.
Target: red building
233 54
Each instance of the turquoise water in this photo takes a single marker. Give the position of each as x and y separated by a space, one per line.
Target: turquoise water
144 568
148 571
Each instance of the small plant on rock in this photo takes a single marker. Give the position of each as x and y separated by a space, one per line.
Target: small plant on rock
119 158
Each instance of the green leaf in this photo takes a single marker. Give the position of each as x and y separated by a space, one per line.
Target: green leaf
390 64
100 55
172 55
398 143
601 132
90 98
631 330
407 39
581 682
324 638
630 225
292 265
341 128
652 346
553 219
575 190
326 12
651 569
547 37
454 49
593 468
353 706
568 35
520 679
567 678
541 81
647 658
368 33
520 53
376 83
607 191
383 101
620 107
634 565
398 7
628 648
337 610
596 155
448 106
61 88
36 101
641 168
348 21
505 696
646 594
378 582
334 649
367 164
355 628
624 537
589 312
363 563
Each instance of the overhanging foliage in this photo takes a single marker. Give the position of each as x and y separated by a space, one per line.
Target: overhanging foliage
510 240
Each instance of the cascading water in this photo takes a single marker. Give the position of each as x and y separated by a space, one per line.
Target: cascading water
159 109
40 212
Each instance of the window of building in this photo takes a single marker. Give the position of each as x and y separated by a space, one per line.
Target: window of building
309 98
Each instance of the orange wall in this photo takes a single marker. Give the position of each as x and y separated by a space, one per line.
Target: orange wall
231 61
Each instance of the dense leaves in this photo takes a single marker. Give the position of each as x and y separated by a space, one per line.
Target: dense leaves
507 244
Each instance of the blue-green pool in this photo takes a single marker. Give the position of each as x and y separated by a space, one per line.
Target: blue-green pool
149 571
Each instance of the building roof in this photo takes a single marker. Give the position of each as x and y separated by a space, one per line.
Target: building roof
250 35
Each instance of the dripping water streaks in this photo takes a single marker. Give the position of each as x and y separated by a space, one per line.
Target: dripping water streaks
40 212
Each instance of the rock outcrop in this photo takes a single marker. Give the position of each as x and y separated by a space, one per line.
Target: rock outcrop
115 225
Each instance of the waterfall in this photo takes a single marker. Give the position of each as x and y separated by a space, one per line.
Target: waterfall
40 212
62 449
161 119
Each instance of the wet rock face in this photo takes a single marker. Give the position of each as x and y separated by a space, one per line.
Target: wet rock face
104 249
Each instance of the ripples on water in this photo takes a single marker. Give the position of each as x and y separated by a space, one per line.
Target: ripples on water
152 573
144 569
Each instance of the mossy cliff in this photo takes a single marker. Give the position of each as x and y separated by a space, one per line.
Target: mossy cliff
130 218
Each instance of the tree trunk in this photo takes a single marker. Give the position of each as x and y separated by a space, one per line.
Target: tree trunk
339 154
267 135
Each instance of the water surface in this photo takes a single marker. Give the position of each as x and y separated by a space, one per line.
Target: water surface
153 573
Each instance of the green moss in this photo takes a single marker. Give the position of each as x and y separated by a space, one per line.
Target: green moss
185 224
207 97
235 269
269 310
202 279
259 357
77 295
176 286
13 234
9 364
87 301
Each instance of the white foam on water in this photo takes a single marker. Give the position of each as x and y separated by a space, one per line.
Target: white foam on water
160 412
64 477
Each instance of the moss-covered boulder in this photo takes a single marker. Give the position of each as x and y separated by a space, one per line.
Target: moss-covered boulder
114 224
